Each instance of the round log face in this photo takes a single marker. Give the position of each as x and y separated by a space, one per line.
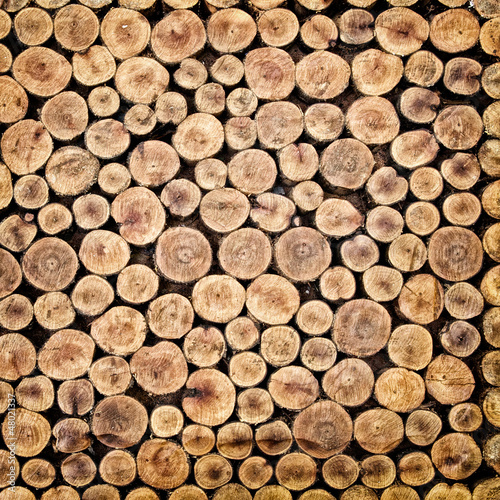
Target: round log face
361 328
130 416
162 464
160 369
333 423
183 254
212 397
249 249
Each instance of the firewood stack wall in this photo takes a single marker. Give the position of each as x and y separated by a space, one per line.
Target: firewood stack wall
250 249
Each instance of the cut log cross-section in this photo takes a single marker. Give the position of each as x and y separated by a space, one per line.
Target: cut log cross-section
250 250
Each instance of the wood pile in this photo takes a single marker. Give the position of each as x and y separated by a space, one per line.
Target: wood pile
250 249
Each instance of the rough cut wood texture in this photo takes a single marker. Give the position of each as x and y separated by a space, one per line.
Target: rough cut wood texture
250 249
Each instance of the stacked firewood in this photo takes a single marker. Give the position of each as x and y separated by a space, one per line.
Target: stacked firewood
250 250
